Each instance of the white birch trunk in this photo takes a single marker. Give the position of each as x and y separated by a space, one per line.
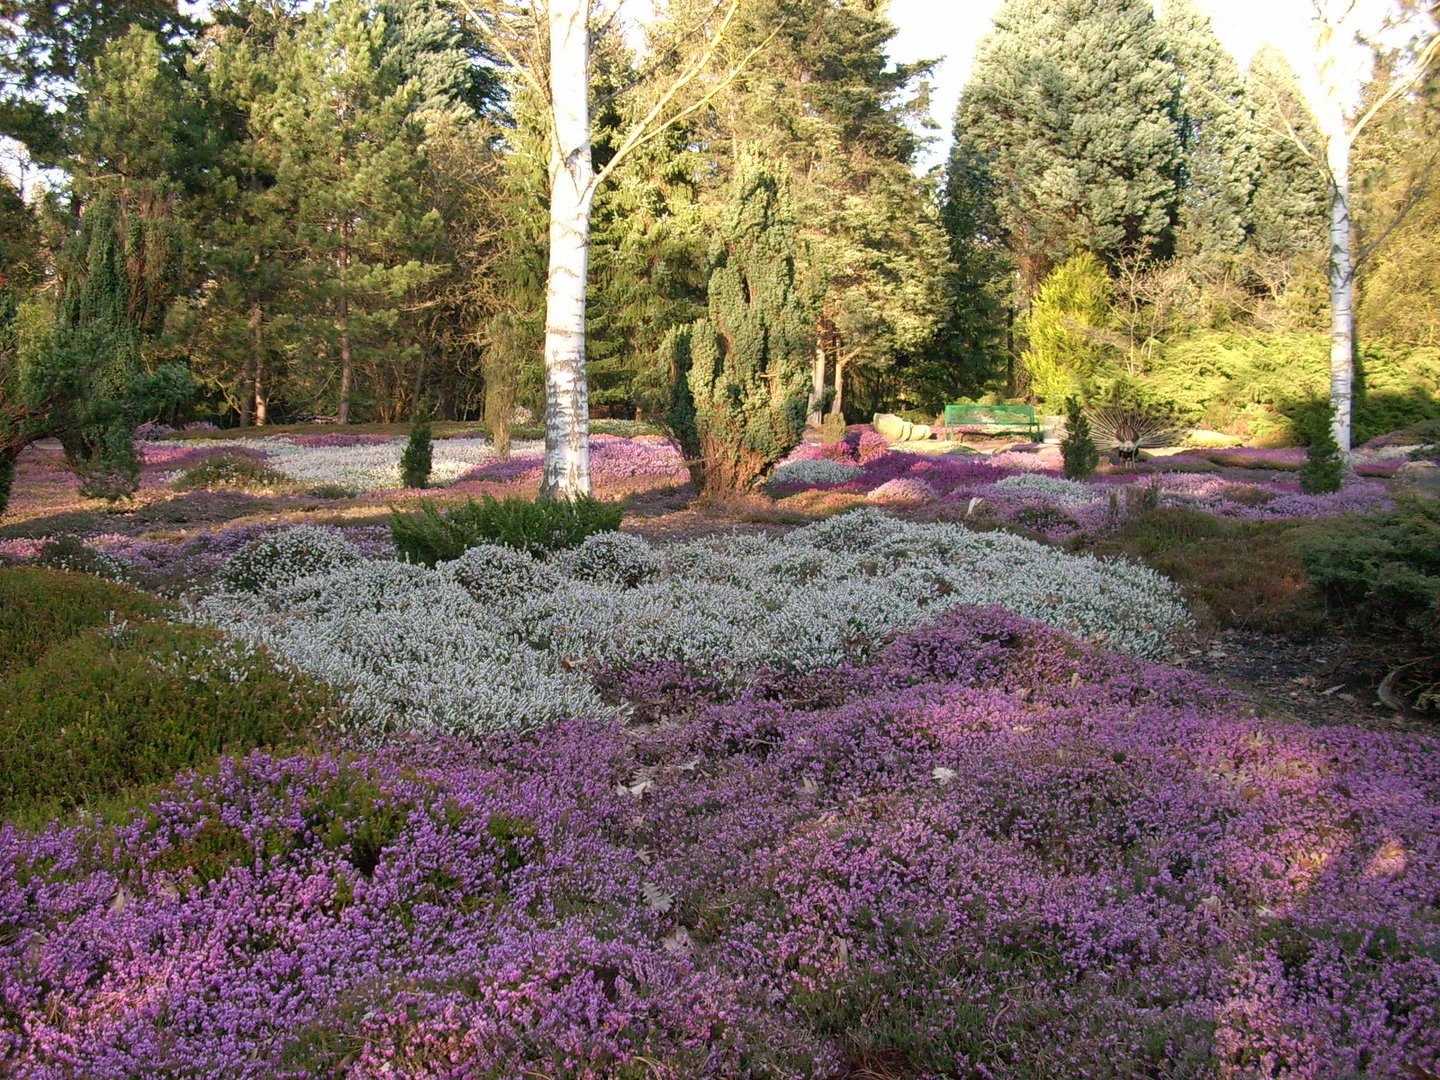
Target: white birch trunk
1342 285
567 404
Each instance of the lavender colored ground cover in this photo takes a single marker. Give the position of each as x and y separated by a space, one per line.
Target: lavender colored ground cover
993 852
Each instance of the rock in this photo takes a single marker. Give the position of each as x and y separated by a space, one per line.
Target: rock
890 426
1417 478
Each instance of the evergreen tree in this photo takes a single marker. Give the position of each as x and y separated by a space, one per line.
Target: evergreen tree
1073 105
347 175
446 64
1217 135
823 98
1290 203
742 372
418 458
1077 450
1065 330
973 341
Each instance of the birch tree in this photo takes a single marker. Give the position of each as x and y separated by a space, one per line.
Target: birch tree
1346 33
547 44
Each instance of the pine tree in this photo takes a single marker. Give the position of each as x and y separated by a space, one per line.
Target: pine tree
417 460
1073 104
1217 134
742 372
1077 450
349 161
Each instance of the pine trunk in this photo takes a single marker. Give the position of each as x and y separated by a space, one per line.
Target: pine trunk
817 380
839 407
1342 287
247 391
567 406
257 325
347 362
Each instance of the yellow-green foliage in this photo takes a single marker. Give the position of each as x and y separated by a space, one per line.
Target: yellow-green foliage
106 696
1258 385
1064 329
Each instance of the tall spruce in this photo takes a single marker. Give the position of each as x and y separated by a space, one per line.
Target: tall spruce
1073 107
1217 135
742 372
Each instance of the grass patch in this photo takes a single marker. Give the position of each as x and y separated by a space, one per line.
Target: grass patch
1235 574
109 697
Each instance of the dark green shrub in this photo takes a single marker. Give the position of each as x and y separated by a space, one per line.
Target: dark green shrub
1381 575
113 708
1382 571
1078 450
1324 467
418 458
429 536
41 607
230 471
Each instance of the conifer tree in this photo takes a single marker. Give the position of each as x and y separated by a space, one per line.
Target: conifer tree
1072 105
1065 329
349 158
742 372
1217 134
1289 202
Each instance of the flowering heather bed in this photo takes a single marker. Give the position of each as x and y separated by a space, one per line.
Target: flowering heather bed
1025 488
990 851
497 640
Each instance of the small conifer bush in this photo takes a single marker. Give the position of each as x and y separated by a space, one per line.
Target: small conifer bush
418 458
1324 466
1078 450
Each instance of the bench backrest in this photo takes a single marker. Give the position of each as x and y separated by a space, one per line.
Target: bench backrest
1023 415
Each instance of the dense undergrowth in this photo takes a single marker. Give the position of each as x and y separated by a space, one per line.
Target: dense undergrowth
103 694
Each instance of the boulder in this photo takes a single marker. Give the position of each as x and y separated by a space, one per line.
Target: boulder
1417 478
890 426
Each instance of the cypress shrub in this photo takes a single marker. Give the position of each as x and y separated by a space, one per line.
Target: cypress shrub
1078 449
418 459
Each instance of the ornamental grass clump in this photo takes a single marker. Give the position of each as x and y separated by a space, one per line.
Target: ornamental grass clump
538 526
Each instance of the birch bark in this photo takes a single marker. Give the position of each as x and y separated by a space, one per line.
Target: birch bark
572 191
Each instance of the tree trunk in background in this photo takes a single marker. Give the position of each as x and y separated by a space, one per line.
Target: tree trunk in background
1342 288
817 380
838 408
247 391
347 362
567 406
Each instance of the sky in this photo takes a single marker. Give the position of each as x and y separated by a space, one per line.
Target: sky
952 28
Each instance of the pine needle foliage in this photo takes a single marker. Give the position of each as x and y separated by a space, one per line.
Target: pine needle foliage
1078 451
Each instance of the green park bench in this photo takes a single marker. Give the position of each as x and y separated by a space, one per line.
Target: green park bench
963 420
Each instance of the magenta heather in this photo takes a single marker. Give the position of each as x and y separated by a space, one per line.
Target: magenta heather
992 852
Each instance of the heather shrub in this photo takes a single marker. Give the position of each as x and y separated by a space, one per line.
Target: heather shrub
612 558
234 470
68 552
1054 489
129 703
284 555
417 460
409 650
806 473
39 608
499 575
1077 450
1381 574
538 526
